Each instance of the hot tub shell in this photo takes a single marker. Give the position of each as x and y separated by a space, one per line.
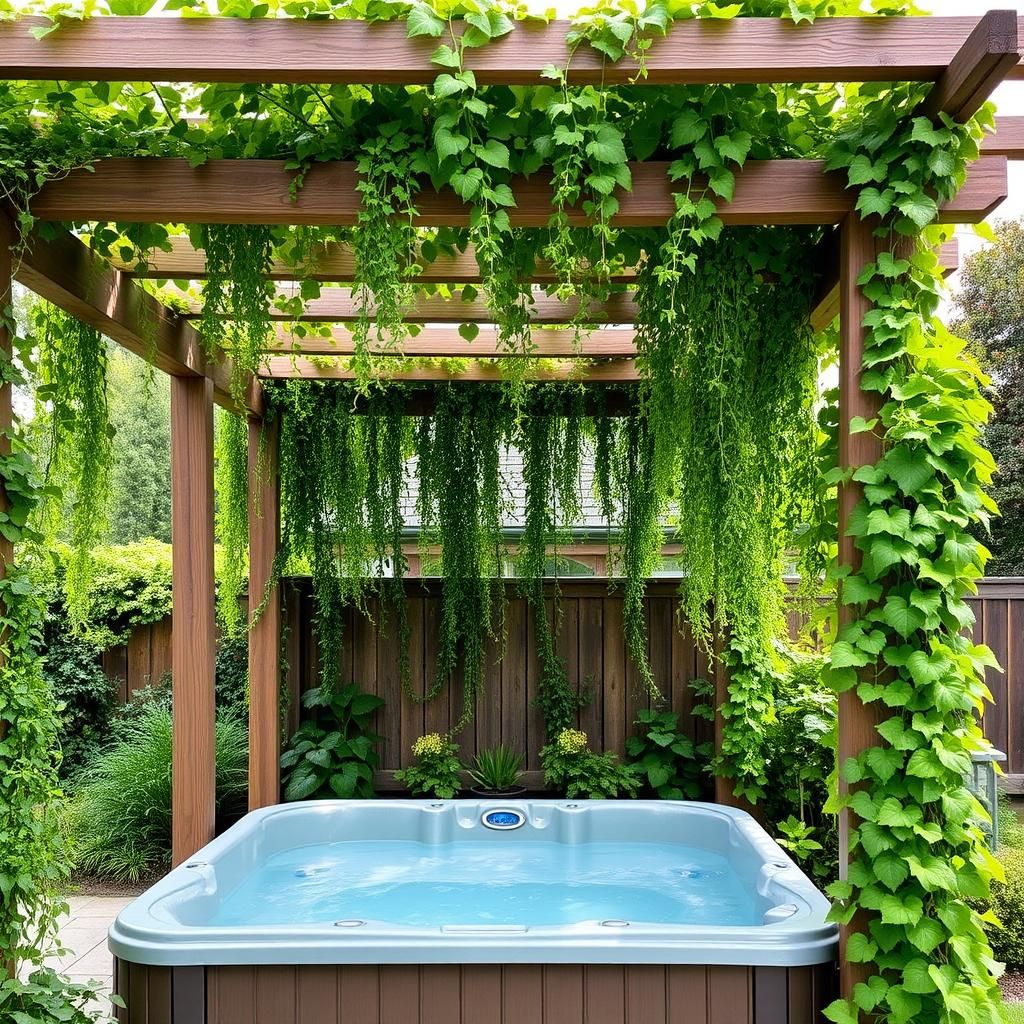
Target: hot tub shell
173 967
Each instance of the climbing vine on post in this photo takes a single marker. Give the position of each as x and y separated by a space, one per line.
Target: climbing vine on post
917 854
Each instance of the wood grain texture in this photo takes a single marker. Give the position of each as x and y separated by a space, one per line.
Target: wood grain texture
476 994
264 502
293 50
1008 140
64 271
447 343
610 371
335 261
259 192
986 57
340 305
194 637
856 720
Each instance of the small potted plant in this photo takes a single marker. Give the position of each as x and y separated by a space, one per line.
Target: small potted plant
496 772
436 770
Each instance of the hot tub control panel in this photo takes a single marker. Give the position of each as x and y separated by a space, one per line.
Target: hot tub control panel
503 819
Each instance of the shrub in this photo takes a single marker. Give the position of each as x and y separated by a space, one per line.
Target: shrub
1007 903
72 669
48 996
670 763
569 764
332 753
437 768
121 815
232 671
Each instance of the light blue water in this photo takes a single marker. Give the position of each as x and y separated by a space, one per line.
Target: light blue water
519 882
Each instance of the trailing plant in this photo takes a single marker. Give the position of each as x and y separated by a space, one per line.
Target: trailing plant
460 504
47 995
671 765
570 765
436 770
236 297
917 855
333 752
498 769
231 462
120 818
71 398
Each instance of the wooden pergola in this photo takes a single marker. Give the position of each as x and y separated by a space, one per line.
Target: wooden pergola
965 58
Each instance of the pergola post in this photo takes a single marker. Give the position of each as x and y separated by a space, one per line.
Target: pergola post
193 642
7 236
857 720
265 633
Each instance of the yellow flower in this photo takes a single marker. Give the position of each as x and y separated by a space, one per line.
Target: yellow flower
430 745
572 741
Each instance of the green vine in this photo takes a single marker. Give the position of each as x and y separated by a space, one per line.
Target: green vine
917 853
232 490
71 398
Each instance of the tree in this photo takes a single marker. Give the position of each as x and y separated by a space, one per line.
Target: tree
140 483
990 307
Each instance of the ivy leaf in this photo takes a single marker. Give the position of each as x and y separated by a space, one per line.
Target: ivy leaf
920 208
860 949
688 128
722 182
493 153
894 910
906 468
447 143
884 762
469 331
871 201
735 146
927 934
422 21
467 183
133 8
917 979
448 85
841 1012
713 10
606 146
446 57
903 617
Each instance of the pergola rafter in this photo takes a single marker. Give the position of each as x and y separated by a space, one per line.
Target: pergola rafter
335 52
160 190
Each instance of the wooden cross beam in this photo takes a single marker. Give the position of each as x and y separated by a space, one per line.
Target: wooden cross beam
341 305
64 271
447 343
610 371
743 50
159 190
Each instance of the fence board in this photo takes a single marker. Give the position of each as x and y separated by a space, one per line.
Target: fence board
590 640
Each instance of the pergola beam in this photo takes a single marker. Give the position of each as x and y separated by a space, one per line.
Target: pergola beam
447 343
987 56
612 371
340 305
826 308
1008 140
163 190
64 271
744 50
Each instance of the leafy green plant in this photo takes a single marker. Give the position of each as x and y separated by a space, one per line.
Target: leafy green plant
497 769
120 817
570 765
46 995
437 769
332 753
231 467
1006 906
670 763
86 696
797 837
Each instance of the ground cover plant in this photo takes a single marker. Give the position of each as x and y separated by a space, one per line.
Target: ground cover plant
720 435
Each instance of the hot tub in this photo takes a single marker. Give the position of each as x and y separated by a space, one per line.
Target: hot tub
480 912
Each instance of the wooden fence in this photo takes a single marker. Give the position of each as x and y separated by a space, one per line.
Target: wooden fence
591 643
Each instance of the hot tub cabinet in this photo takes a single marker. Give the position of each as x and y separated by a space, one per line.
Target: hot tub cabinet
474 994
476 912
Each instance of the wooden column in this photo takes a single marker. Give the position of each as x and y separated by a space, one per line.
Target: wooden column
7 238
857 721
265 635
193 642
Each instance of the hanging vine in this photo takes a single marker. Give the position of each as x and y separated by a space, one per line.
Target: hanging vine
71 399
231 461
237 297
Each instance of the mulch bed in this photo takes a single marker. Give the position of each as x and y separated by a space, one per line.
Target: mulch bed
86 885
1012 984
